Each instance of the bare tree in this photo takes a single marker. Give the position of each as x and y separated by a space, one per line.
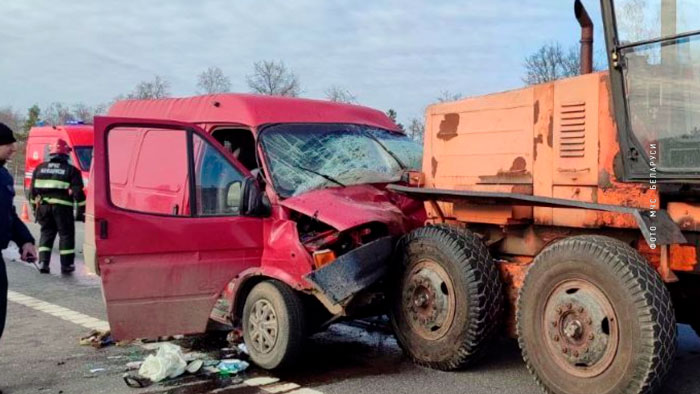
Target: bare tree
416 129
86 113
549 63
212 80
57 113
274 79
340 95
155 89
446 96
13 119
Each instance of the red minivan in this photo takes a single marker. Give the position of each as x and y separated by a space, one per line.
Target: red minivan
266 213
78 136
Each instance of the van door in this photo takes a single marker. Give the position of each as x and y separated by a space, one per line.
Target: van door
168 236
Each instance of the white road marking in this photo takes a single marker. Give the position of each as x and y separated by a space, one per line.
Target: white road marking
280 388
266 383
260 381
58 311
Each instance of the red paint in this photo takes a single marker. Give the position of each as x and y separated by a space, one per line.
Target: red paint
77 136
162 273
345 208
250 110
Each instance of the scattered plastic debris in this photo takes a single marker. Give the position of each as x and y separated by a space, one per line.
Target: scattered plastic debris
243 348
194 366
95 370
168 362
97 339
232 366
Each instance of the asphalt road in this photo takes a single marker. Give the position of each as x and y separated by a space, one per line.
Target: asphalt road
40 354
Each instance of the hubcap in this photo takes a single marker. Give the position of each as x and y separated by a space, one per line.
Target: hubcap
262 326
580 328
428 300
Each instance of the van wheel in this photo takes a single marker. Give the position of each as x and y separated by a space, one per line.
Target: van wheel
594 317
273 325
447 298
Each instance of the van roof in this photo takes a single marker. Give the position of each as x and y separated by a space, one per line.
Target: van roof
250 110
75 135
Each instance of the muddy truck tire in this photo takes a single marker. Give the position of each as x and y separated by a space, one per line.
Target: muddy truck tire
594 317
273 325
446 297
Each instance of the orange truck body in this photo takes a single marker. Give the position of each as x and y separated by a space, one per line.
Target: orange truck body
556 140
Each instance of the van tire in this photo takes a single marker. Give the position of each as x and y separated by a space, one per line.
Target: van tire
277 344
447 297
593 314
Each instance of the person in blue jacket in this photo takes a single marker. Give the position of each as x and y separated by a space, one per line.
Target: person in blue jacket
11 227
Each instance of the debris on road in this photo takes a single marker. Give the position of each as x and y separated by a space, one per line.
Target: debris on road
232 367
168 362
97 339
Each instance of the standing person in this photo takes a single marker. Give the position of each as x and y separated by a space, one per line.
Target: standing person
56 185
11 228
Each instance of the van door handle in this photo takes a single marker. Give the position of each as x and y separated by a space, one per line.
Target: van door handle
103 229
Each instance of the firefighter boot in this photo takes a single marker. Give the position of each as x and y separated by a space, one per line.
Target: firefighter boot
44 267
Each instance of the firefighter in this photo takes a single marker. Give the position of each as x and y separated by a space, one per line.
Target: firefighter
56 187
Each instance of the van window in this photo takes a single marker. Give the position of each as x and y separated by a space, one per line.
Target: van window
148 170
217 182
84 154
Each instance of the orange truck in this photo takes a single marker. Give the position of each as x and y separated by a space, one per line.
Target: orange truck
567 212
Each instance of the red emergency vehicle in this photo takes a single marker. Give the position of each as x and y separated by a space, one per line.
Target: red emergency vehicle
78 136
266 213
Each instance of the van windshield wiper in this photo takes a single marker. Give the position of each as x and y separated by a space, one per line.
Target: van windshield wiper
319 174
392 154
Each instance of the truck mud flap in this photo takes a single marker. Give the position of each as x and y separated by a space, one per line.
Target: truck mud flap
354 271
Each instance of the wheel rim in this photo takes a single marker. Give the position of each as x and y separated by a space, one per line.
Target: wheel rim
428 300
580 328
262 326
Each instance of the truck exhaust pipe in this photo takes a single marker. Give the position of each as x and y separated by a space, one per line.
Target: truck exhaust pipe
586 37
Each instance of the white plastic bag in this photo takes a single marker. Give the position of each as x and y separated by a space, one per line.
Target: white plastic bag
167 363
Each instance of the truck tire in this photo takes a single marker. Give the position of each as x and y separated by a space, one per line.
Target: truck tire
447 297
273 325
594 317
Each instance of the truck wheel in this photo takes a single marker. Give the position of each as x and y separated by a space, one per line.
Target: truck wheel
273 325
447 297
594 317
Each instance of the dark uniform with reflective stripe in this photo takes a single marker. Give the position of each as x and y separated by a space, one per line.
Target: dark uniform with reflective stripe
56 185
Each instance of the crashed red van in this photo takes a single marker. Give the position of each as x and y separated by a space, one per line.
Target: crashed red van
78 136
266 213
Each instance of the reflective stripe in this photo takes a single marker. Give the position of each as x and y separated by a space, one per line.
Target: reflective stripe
51 184
82 203
67 251
56 201
44 249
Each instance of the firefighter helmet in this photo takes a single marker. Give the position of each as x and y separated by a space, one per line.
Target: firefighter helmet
60 147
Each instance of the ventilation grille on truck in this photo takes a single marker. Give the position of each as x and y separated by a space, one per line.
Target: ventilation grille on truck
572 137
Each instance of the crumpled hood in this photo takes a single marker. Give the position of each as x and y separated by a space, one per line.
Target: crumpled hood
348 207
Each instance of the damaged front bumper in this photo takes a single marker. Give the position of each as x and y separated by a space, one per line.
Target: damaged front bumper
338 282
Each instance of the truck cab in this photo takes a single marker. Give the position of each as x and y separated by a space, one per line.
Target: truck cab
269 213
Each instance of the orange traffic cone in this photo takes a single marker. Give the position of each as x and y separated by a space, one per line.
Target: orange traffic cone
25 212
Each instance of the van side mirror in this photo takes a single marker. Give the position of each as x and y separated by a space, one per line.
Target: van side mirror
251 203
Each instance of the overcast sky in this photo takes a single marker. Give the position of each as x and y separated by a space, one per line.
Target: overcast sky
389 53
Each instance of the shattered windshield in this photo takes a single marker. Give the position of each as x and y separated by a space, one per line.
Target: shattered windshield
305 157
